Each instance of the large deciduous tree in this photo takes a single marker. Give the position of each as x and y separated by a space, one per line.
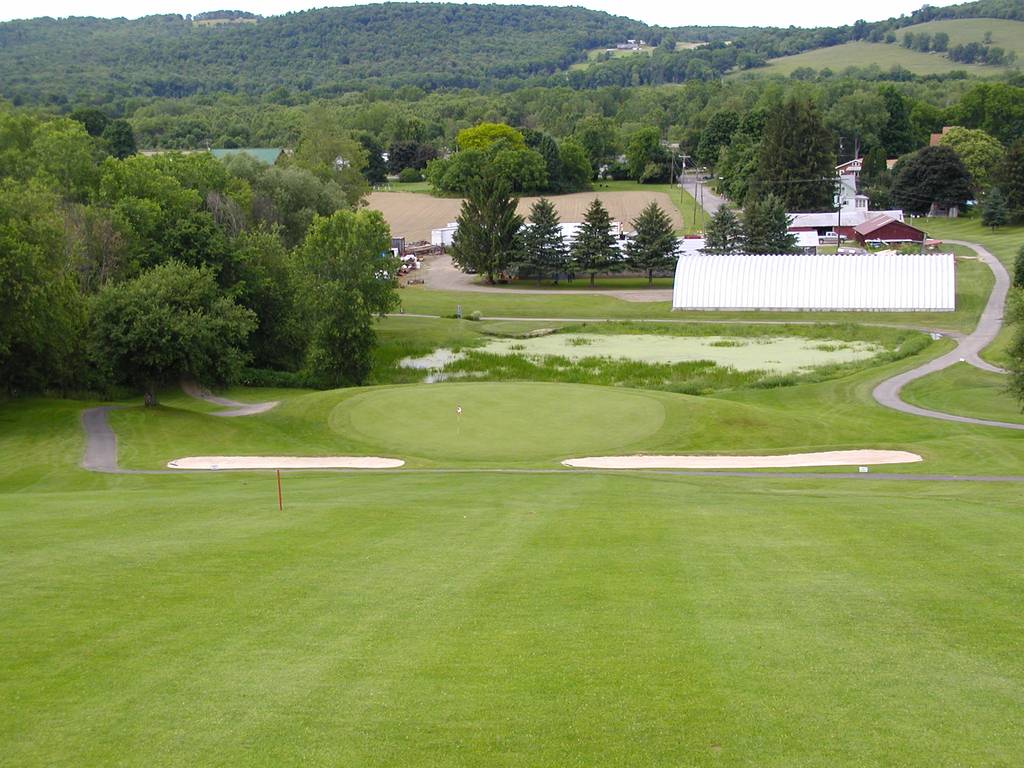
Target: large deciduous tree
717 134
645 156
599 138
931 176
653 246
576 173
168 323
484 135
40 309
981 154
797 162
488 238
346 275
594 249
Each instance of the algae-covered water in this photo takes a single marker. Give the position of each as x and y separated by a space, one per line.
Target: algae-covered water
783 354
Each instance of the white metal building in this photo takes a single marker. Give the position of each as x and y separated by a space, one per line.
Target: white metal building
886 281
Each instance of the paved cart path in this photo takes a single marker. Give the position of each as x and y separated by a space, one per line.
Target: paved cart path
887 393
236 408
441 274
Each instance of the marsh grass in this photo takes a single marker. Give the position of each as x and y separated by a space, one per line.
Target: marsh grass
692 377
417 337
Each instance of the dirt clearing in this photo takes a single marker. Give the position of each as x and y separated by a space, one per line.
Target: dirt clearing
412 215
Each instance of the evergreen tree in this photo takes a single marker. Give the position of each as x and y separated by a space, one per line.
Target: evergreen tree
653 247
595 249
766 227
544 249
1012 180
994 213
724 232
1015 315
488 238
797 161
874 166
897 134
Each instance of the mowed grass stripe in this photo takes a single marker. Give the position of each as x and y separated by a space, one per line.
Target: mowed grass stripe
524 621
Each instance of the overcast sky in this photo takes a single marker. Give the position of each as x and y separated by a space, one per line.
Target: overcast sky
781 13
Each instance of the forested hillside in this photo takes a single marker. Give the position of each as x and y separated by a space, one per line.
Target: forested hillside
423 46
325 51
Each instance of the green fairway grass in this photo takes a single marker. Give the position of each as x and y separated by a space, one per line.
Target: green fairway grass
484 607
538 425
863 54
503 620
499 421
966 391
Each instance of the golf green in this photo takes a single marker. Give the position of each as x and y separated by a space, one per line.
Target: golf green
499 421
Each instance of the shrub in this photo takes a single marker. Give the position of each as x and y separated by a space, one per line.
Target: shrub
410 175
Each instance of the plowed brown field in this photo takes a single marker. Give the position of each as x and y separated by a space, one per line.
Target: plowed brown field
412 215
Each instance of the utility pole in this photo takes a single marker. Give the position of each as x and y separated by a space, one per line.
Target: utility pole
682 173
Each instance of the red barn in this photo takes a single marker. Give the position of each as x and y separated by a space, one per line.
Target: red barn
886 229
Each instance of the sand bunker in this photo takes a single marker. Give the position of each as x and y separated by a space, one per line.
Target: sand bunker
284 462
820 459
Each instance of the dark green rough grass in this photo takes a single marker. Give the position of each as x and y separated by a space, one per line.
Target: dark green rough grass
966 391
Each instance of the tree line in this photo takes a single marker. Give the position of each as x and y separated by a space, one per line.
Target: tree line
330 52
131 272
494 240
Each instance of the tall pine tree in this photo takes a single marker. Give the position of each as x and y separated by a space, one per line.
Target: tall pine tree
766 227
724 232
544 251
653 247
594 249
994 213
488 238
797 158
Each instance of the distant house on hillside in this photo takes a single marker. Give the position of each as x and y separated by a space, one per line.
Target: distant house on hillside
937 137
266 155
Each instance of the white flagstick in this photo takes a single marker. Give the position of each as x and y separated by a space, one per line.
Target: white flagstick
458 420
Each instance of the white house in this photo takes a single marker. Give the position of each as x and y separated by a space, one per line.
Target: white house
886 281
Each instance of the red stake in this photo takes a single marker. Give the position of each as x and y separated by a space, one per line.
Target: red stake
280 500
